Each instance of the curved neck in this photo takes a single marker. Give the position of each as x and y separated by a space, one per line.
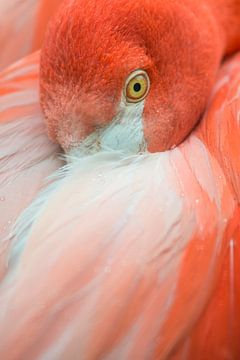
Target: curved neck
227 15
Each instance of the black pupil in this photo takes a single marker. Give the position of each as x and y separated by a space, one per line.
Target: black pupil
137 87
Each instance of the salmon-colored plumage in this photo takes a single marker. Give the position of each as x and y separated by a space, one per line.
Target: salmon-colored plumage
119 255
92 46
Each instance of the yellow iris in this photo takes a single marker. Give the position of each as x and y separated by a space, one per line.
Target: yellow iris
137 86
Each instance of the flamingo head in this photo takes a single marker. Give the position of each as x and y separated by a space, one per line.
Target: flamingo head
123 74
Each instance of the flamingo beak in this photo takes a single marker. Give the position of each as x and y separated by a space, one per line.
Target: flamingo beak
124 133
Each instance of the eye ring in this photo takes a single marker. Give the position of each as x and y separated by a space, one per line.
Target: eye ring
137 86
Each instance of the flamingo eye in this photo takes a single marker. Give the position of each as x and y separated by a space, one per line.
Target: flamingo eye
137 86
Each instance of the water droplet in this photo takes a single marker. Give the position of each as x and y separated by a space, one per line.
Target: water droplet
107 269
2 198
101 178
9 222
197 201
182 194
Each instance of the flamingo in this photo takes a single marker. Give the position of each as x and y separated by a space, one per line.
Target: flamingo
144 68
121 255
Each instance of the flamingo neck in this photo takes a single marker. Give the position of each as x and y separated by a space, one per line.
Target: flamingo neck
227 15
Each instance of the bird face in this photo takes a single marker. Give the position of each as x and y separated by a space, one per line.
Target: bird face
126 75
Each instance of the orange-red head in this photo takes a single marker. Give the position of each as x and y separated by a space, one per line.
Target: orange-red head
132 74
